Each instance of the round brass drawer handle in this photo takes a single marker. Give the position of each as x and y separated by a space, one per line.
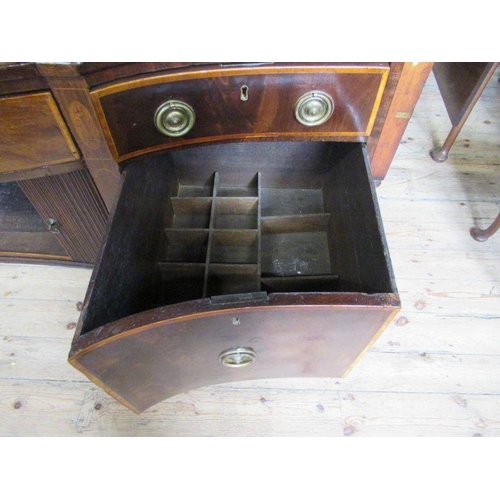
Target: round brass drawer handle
174 118
237 357
314 108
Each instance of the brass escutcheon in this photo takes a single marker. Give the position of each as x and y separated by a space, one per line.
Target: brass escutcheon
244 90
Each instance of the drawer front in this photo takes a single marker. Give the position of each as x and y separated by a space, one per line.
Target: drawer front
238 104
170 357
33 133
255 246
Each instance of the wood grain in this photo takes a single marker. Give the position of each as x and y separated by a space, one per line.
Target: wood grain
383 148
174 346
126 277
23 233
72 200
71 92
26 282
33 133
175 356
233 69
396 69
41 323
126 111
97 74
45 171
18 78
461 84
452 318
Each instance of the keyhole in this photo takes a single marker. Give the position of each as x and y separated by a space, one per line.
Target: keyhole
52 225
244 93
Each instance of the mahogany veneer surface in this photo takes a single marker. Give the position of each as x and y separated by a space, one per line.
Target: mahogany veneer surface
33 133
127 109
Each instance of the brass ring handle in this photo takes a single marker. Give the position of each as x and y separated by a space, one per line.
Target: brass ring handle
314 108
174 118
237 357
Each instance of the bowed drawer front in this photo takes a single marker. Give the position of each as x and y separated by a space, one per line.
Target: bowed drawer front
241 103
233 262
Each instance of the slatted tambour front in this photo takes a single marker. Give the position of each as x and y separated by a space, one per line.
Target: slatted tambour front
240 103
73 202
23 232
275 249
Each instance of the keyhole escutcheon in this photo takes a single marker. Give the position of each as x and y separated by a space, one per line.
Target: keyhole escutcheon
244 92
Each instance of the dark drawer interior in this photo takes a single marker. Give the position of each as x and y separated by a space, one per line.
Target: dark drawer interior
260 219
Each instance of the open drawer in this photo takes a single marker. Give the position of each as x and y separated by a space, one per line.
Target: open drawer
233 262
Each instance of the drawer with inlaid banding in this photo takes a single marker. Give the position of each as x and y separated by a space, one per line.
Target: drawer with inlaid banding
233 262
291 102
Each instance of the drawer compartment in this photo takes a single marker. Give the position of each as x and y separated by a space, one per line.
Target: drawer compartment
127 110
271 252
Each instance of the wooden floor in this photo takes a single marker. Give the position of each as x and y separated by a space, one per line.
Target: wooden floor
435 371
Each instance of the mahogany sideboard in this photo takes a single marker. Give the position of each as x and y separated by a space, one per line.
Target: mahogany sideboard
244 239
